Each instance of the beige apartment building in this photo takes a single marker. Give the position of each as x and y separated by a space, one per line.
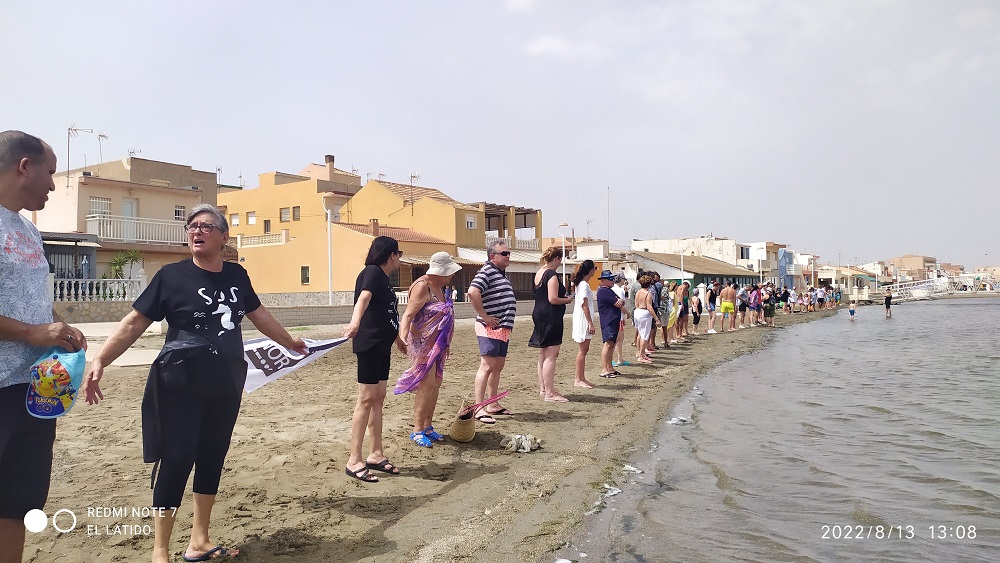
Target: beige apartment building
132 203
303 237
914 267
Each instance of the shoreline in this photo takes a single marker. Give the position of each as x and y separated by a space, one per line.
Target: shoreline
284 495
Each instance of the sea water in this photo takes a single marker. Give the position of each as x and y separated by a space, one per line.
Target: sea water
868 440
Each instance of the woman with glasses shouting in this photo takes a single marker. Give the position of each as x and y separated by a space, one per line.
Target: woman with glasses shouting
195 385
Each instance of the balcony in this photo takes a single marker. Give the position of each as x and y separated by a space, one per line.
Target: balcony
115 228
519 244
270 239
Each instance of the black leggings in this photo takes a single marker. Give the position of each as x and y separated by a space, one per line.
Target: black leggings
195 431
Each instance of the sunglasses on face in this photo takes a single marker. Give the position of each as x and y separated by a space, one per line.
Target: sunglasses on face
203 228
504 253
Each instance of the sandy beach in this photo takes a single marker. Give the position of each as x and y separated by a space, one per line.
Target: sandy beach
284 494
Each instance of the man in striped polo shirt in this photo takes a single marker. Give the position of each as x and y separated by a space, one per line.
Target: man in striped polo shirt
492 296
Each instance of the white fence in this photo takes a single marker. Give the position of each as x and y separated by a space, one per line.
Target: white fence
75 290
135 229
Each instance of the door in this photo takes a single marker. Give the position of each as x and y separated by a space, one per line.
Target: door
130 209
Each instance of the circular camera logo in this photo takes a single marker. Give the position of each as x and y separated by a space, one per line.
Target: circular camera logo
35 521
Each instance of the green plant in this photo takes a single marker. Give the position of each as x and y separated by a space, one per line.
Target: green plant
122 263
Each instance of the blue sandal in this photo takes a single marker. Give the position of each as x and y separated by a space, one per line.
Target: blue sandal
421 440
430 433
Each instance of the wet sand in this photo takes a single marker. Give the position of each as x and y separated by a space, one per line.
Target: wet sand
285 497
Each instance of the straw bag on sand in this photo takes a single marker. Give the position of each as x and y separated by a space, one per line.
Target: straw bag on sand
463 428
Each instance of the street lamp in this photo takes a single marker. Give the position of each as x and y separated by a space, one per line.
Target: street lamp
563 237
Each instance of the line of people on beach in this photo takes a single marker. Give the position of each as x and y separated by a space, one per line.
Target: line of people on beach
194 390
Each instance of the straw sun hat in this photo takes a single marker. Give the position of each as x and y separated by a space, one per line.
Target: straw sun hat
442 264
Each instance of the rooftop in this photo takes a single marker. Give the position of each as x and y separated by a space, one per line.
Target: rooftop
412 193
697 264
401 234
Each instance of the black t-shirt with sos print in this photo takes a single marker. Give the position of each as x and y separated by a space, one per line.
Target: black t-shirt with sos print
210 304
380 323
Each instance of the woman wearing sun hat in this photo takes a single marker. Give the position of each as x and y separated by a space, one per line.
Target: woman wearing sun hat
427 327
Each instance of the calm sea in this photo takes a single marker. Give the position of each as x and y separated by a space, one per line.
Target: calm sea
871 440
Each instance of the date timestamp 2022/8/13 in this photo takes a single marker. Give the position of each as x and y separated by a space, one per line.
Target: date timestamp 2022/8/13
903 532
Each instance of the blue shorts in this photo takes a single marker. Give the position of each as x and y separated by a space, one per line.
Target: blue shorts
493 342
610 333
852 312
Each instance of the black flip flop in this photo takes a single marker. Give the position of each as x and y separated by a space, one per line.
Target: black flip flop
483 418
362 474
385 466
207 556
611 375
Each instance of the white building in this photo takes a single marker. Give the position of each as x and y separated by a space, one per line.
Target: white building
720 248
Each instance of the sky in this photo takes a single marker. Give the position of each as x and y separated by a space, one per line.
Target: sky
856 130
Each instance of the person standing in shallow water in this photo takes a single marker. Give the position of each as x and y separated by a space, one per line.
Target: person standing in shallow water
888 303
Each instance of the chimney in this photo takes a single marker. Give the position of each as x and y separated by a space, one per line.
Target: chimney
374 223
329 166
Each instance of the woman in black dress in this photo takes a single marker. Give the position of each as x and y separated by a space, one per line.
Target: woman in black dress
550 308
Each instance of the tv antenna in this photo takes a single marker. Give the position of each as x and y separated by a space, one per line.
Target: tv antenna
72 131
589 221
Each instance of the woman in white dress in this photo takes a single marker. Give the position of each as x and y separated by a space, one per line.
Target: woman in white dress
584 307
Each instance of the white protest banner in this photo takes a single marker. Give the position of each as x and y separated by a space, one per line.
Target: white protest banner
267 361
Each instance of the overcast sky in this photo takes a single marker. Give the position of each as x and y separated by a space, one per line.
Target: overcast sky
867 129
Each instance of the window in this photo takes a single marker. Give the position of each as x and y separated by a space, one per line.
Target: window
267 226
100 206
305 275
296 213
180 213
470 222
285 215
251 217
234 220
745 252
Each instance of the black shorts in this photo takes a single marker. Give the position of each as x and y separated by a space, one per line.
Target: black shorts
820 300
373 365
25 455
610 333
696 318
743 307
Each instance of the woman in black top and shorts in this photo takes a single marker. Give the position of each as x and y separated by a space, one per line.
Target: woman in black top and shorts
550 308
374 327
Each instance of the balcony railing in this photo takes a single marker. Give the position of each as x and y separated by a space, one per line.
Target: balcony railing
526 244
243 241
519 243
114 228
72 290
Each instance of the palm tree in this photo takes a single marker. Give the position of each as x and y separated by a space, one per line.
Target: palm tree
124 259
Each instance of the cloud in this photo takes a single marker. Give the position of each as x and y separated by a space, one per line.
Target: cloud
561 47
519 5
